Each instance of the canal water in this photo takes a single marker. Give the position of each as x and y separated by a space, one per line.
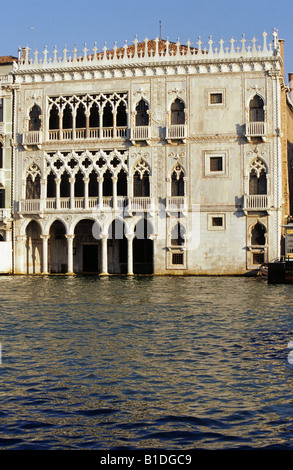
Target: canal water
145 362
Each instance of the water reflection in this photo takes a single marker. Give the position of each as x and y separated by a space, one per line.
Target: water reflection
107 362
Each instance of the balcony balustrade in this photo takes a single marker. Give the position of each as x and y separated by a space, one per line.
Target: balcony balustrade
140 133
32 138
256 202
33 206
255 129
176 204
90 133
176 131
140 204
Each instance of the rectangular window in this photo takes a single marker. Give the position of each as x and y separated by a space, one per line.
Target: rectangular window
258 258
216 98
217 221
216 164
1 109
177 258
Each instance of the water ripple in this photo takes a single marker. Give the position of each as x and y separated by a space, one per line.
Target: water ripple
160 362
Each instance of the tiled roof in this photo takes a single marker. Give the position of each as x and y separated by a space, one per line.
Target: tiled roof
151 48
7 59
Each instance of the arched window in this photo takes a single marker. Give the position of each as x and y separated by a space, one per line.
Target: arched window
65 185
141 113
80 117
94 116
54 118
122 183
67 117
1 238
177 235
107 184
177 112
33 182
258 235
79 185
256 109
177 182
121 119
141 181
93 184
35 121
257 178
108 115
51 186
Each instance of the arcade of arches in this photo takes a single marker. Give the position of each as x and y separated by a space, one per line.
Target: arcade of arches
88 250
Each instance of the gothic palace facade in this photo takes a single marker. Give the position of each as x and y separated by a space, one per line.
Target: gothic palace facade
152 158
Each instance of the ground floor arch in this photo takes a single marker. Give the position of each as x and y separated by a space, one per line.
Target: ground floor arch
33 245
87 253
57 248
117 248
143 248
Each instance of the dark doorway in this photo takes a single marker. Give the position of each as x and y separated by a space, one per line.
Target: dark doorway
143 249
90 258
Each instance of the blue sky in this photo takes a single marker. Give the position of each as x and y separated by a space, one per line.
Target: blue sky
76 22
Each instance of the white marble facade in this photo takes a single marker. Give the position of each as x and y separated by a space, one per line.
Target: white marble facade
154 158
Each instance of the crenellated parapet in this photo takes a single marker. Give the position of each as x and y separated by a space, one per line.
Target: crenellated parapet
149 52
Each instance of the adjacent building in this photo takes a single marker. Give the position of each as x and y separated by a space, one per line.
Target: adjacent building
157 158
6 126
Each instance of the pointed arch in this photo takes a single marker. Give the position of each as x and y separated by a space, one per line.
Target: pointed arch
258 234
33 182
34 118
54 117
141 179
142 113
177 112
257 177
178 235
256 109
177 180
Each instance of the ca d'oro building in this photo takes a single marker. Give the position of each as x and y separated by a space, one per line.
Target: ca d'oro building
158 157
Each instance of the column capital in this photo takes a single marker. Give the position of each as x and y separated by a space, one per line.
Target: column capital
45 237
69 236
104 236
130 236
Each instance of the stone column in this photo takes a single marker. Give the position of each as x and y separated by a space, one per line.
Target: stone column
71 181
130 237
86 192
100 181
104 238
87 125
114 180
43 193
58 182
45 239
70 253
60 126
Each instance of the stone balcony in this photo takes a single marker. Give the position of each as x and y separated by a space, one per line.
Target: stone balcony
256 202
140 133
176 132
90 133
176 204
32 138
255 129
